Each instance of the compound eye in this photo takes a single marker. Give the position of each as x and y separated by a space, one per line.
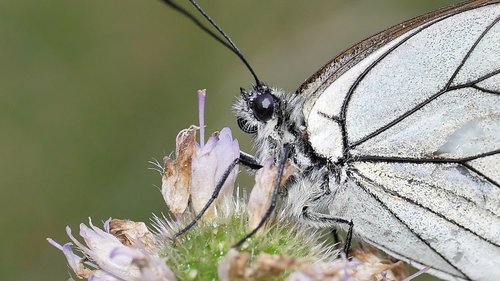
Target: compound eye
263 107
243 124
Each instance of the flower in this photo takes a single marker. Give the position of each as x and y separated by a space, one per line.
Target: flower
210 162
192 178
106 258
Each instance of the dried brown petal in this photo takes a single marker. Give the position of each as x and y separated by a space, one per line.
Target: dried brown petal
376 265
130 233
365 266
268 266
185 149
176 181
234 266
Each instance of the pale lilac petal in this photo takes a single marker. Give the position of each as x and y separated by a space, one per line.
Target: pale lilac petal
227 151
100 245
202 94
209 145
74 261
208 167
100 275
236 149
77 243
98 241
107 225
151 267
203 179
156 270
300 276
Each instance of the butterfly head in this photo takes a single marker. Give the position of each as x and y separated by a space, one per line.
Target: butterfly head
272 116
256 108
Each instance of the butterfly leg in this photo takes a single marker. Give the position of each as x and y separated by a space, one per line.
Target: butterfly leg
249 161
214 196
274 199
322 220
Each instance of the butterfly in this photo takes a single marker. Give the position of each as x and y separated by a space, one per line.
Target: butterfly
397 140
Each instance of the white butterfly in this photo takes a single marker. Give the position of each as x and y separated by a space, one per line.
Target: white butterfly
400 134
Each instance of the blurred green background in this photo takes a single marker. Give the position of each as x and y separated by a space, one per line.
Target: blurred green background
90 91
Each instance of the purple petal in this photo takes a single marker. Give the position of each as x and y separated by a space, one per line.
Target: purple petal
209 146
100 275
107 225
226 150
201 114
72 258
203 179
78 244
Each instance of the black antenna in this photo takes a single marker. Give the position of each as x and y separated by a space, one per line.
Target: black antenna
197 22
228 44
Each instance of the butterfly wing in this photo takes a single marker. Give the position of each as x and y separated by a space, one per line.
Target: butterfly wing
415 110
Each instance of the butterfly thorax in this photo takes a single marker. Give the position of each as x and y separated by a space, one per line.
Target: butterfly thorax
271 131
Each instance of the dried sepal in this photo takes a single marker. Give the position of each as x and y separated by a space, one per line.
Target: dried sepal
376 265
131 233
234 266
365 265
176 181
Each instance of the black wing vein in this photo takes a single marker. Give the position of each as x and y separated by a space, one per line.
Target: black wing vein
422 104
409 200
407 226
485 90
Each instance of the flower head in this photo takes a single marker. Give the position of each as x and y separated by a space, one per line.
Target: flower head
193 176
106 258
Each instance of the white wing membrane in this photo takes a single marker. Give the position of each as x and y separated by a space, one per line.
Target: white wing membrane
418 122
468 252
415 71
459 124
448 190
488 165
491 84
376 224
476 66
